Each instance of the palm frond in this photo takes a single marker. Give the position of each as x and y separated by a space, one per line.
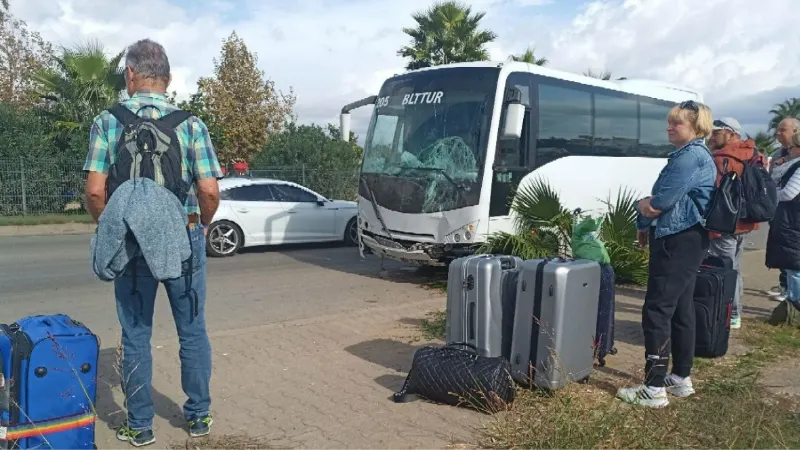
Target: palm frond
537 205
619 223
533 245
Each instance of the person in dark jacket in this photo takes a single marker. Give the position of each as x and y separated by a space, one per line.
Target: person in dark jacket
783 134
783 240
671 220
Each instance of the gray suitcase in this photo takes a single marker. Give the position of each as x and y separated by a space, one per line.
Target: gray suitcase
480 302
554 322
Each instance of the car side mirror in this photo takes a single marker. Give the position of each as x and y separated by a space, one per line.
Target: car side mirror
320 202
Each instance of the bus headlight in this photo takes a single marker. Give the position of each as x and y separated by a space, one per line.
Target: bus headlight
464 234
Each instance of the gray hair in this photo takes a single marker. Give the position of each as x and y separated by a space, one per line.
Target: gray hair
148 59
793 122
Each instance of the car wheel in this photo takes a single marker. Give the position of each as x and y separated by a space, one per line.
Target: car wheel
224 239
351 233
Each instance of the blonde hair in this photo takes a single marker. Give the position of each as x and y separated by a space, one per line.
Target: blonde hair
702 121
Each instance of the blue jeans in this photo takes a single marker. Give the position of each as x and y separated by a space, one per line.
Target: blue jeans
793 285
135 292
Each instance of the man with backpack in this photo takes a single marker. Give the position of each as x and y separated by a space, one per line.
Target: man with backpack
152 188
732 154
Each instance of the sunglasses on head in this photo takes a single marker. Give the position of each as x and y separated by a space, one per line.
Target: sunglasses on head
690 105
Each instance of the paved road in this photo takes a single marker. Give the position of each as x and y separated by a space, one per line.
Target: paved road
51 274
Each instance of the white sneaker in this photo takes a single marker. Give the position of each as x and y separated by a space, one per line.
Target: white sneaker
677 386
778 295
774 290
652 397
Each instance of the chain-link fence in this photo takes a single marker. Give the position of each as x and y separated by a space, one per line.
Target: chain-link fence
38 187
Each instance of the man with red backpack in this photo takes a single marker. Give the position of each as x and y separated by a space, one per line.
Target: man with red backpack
731 153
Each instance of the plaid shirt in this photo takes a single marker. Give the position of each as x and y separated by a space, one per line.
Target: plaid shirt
199 158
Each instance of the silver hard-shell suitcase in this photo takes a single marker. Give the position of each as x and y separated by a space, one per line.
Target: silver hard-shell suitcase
480 302
555 321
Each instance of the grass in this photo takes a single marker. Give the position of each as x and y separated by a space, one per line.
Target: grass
45 219
730 409
433 327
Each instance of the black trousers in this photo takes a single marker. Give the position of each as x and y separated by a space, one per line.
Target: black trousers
668 317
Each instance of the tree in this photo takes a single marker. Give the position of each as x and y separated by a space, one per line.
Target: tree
3 9
246 107
446 33
83 82
22 54
197 106
604 75
313 156
765 142
789 108
336 134
529 57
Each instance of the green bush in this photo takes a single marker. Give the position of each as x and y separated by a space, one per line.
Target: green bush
543 228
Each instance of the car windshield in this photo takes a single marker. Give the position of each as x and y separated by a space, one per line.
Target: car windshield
427 141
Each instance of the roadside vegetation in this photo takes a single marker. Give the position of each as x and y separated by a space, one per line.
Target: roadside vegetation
730 410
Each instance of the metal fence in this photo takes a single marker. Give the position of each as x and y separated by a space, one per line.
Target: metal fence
38 187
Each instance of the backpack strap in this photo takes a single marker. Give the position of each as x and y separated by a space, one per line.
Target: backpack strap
124 115
175 118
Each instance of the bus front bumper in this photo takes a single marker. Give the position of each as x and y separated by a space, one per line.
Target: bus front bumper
420 253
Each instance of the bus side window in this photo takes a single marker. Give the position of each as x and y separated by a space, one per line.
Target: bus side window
512 157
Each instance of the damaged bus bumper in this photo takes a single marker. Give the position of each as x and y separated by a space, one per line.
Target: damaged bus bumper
419 253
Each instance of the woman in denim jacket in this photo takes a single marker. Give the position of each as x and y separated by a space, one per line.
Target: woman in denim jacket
671 220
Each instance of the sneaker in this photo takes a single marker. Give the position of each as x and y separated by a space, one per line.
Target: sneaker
677 386
773 291
778 296
137 438
736 323
200 426
642 395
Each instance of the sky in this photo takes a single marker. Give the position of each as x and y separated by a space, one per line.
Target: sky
334 52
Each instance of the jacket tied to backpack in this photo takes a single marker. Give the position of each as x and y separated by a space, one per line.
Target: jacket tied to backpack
730 159
141 217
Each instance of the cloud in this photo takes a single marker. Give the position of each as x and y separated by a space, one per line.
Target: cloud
333 53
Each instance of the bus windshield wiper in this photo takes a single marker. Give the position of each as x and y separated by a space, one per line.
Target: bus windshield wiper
441 171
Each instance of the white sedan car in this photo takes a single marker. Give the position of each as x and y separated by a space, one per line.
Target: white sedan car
261 211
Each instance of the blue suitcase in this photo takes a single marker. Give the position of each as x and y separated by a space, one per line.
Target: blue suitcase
49 373
606 312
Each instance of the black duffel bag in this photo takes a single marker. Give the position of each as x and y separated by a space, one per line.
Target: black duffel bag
460 377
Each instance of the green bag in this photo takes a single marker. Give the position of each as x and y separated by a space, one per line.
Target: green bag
586 243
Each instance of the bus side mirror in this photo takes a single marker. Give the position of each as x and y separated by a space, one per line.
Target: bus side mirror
515 115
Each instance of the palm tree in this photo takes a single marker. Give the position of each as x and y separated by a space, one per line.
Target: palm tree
84 82
446 33
765 142
789 108
529 57
543 228
605 75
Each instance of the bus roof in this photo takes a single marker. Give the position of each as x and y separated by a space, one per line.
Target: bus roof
648 88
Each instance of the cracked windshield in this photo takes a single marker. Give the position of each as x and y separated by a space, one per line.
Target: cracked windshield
427 144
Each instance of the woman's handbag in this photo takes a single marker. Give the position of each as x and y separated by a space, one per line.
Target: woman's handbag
459 377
